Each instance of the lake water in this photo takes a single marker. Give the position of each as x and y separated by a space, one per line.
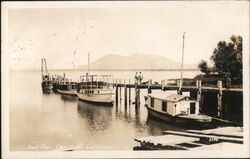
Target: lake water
50 121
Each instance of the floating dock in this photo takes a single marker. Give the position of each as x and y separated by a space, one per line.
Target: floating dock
227 137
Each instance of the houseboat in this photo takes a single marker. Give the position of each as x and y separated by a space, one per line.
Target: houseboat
93 88
175 108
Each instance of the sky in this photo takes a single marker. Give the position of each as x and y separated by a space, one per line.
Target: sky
65 35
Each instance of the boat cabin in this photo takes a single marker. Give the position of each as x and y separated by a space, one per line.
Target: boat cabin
94 84
173 104
46 79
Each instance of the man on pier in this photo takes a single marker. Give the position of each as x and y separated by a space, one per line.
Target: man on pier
136 78
140 77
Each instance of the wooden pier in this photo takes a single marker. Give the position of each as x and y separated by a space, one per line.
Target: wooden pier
164 87
196 89
193 139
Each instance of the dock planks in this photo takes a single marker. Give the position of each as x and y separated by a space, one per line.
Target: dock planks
221 138
224 137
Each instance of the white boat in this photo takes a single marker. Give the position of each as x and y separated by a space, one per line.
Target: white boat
175 108
93 90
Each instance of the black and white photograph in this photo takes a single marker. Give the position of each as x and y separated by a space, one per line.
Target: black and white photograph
122 79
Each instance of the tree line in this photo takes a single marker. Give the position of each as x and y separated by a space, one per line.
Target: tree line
226 59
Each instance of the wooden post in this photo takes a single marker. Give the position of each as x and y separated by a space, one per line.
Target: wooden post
149 84
125 93
179 84
198 97
198 85
120 90
163 84
219 97
137 94
116 95
129 94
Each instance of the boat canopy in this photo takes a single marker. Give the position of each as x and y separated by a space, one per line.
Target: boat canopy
88 77
170 97
96 75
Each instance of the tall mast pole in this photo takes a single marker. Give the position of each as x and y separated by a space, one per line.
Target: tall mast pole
88 62
46 70
42 67
182 57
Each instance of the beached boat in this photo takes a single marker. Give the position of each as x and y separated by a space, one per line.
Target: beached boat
175 108
93 89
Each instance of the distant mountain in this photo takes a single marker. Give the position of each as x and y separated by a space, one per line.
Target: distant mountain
135 62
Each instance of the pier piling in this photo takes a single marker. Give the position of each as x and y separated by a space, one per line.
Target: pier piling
219 97
120 90
198 85
116 94
149 86
125 93
129 93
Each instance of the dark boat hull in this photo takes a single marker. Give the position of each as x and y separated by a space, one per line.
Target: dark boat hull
177 120
47 86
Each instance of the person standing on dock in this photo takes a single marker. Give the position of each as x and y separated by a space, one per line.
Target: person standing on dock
136 78
140 77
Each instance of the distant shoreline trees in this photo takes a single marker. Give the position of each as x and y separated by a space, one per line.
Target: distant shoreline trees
226 59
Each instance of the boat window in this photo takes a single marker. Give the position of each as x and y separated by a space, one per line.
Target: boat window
164 106
192 108
152 102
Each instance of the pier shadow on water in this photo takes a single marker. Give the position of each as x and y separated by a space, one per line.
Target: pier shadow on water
98 117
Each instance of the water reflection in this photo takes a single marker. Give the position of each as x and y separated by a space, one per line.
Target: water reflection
125 113
156 127
47 91
68 98
98 117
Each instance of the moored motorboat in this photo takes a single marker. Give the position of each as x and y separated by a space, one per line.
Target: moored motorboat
93 90
65 85
68 88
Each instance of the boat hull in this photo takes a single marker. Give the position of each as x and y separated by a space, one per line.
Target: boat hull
96 98
47 86
179 120
72 92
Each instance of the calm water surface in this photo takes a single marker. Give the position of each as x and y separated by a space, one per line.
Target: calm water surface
50 121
